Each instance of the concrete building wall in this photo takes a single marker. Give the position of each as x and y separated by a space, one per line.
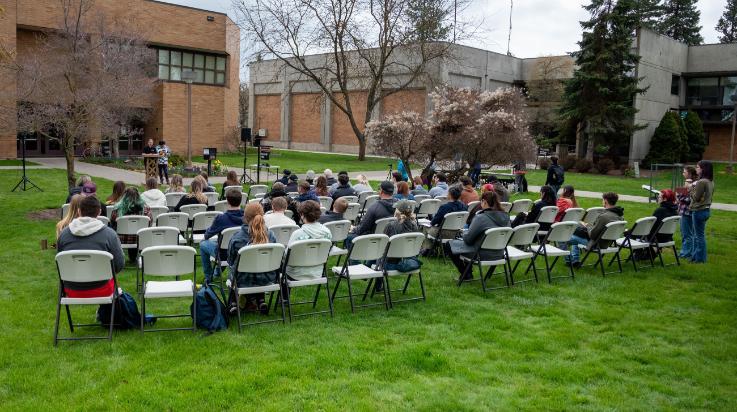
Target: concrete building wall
712 58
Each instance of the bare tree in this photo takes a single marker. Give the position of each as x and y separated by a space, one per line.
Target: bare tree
379 47
243 103
545 92
85 80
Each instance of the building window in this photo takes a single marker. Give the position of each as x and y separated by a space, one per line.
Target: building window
208 68
675 84
703 91
729 85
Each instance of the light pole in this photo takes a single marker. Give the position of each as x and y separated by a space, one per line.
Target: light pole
188 76
730 166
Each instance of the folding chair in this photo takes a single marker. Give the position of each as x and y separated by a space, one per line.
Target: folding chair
428 207
154 236
84 266
339 230
452 224
255 200
667 227
363 248
352 212
573 214
411 202
157 210
212 198
263 258
179 220
443 199
109 210
64 209
236 187
326 201
222 205
382 223
350 199
420 198
200 222
104 220
367 203
519 248
547 215
169 261
506 206
283 233
223 244
636 239
559 232
592 214
363 196
473 204
403 246
255 190
130 225
614 231
288 213
519 206
192 210
495 239
172 199
307 253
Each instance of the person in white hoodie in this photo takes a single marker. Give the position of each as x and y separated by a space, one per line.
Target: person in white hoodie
311 229
86 232
153 196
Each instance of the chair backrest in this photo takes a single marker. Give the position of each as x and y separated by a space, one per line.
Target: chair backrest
350 199
222 205
203 220
370 200
65 209
339 229
506 206
288 213
561 231
192 210
547 214
168 260
226 235
266 257
428 207
238 188
157 236
382 223
614 230
310 252
496 238
443 199
256 190
413 203
293 195
255 200
520 206
420 198
84 265
454 221
179 220
643 226
130 225
283 233
363 195
172 199
405 245
669 225
473 204
368 247
212 197
573 214
104 220
325 201
524 234
109 210
592 214
157 210
352 212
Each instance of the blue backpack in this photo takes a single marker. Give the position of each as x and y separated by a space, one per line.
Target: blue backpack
210 310
126 313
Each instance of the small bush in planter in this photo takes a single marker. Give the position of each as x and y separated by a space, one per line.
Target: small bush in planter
605 165
544 164
568 163
583 165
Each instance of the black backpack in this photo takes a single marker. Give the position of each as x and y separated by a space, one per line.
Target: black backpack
210 310
126 313
558 174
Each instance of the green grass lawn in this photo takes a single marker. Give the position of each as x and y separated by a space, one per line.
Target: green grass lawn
16 162
656 339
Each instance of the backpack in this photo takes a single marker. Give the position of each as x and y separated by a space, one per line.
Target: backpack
126 313
558 174
210 310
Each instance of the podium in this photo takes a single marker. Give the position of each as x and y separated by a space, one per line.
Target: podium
150 164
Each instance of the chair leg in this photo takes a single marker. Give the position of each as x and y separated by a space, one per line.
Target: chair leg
337 284
600 262
633 257
69 319
317 294
468 267
350 295
675 253
112 319
406 284
194 310
283 313
573 275
327 293
387 293
143 308
289 303
547 267
238 312
422 285
58 315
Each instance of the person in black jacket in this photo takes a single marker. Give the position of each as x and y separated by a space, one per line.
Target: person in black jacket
384 207
339 208
344 187
491 215
547 198
292 185
279 190
232 217
666 208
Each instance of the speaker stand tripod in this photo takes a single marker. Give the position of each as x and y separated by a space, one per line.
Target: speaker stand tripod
25 183
246 177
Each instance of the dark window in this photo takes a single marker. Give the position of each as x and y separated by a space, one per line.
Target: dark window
208 68
703 91
675 84
706 137
729 87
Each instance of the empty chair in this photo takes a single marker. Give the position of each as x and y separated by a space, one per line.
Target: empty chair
264 259
403 246
326 202
573 214
592 214
156 211
282 233
352 212
495 239
506 206
520 206
84 266
427 208
154 236
667 228
130 225
172 199
519 249
603 245
637 239
192 210
382 223
449 228
104 220
200 223
212 197
363 196
560 232
339 231
222 205
366 248
256 190
179 220
169 261
304 254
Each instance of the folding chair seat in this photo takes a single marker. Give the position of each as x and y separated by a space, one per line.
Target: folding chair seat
339 230
614 231
667 227
592 214
283 233
154 236
263 258
326 202
352 212
179 220
382 223
84 266
169 261
366 248
519 248
307 253
560 232
449 228
637 239
157 210
427 208
200 222
546 216
104 220
255 190
222 205
172 199
403 246
495 239
130 225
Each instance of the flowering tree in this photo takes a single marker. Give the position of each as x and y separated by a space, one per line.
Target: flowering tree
404 135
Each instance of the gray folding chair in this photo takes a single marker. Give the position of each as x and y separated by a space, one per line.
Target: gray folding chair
238 188
592 214
573 214
350 199
130 225
339 230
382 223
403 246
326 202
259 259
200 223
427 207
560 232
256 190
546 216
495 239
192 210
154 236
519 248
473 204
420 198
179 220
506 206
352 212
64 209
283 233
449 228
613 231
172 199
638 239
307 254
212 198
222 205
364 248
668 227
156 211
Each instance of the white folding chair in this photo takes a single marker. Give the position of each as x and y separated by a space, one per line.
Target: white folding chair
130 225
192 210
255 190
157 210
339 230
363 196
495 239
109 210
84 266
64 209
560 232
613 231
546 216
382 223
154 236
519 249
283 233
520 206
420 198
326 201
350 199
200 223
352 212
239 188
172 199
104 220
255 200
305 254
667 227
592 214
363 248
449 228
367 203
222 205
223 244
412 203
638 239
443 199
288 213
169 261
403 246
179 220
573 214
427 208
259 259
506 206
473 204
212 198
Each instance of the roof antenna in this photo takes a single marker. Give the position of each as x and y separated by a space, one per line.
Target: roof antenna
509 37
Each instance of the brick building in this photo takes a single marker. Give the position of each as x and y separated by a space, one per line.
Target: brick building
184 38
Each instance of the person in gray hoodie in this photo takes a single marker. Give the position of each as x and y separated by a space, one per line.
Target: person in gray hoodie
311 229
441 186
86 232
153 196
491 215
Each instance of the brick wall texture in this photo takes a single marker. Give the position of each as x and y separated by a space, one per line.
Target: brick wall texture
719 141
305 120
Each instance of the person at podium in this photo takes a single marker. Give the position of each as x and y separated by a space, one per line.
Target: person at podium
150 148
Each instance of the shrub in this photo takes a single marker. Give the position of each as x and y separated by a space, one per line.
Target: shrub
568 162
176 160
628 172
694 137
668 142
604 165
544 163
583 165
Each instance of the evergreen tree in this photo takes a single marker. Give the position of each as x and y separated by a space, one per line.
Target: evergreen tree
694 130
680 21
667 143
428 18
727 24
601 93
648 12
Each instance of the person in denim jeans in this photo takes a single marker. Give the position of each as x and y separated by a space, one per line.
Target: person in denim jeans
701 194
684 201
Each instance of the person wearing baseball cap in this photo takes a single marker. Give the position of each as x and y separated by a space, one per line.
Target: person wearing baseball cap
89 189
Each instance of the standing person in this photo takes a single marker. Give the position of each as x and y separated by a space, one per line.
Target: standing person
475 173
520 181
164 152
684 201
153 196
402 169
440 185
613 213
231 179
701 192
195 196
177 184
309 211
232 217
118 190
469 191
130 205
566 201
150 148
556 176
321 186
362 184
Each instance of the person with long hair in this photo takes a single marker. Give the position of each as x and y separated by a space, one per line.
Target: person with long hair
253 232
321 186
362 184
118 190
566 201
196 195
131 204
231 179
177 184
72 213
684 201
701 193
488 187
547 198
403 192
417 186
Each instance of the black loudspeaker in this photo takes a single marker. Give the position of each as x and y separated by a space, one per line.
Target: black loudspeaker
246 134
257 141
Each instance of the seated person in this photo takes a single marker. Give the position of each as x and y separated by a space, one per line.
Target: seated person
177 185
469 191
479 207
403 192
418 188
362 184
613 213
329 178
382 208
311 229
72 213
231 179
85 232
305 192
441 186
207 187
491 215
77 190
339 207
321 186
118 190
344 187
130 205
453 205
284 179
292 184
566 201
279 190
547 198
310 177
277 216
501 192
232 217
195 196
666 208
153 196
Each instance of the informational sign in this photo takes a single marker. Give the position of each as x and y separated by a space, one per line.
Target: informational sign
264 152
637 168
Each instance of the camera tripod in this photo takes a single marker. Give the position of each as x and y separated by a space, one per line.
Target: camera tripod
25 183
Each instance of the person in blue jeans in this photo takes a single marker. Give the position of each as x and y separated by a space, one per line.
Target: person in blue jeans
612 213
684 203
232 217
701 193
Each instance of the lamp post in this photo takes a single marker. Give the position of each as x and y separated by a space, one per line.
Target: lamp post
730 166
188 76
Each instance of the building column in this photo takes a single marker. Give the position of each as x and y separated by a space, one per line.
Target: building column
251 105
326 122
286 112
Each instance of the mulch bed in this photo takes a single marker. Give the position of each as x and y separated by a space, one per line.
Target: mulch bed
46 214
